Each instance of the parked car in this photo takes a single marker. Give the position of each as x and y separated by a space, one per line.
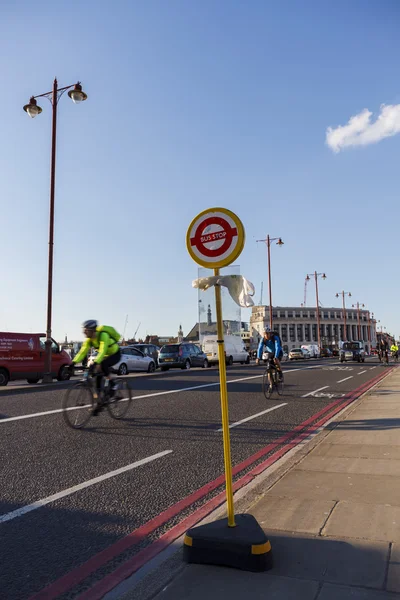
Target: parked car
22 356
181 356
148 350
131 360
235 350
326 352
352 351
298 353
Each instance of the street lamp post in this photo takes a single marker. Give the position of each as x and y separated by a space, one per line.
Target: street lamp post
316 275
343 294
357 306
32 109
268 241
369 331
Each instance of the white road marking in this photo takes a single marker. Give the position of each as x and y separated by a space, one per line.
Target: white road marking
315 391
196 387
255 416
373 367
361 372
345 379
76 488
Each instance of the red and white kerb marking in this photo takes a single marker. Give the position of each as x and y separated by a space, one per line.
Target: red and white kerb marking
215 238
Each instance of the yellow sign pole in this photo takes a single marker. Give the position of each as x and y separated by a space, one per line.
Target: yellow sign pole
214 239
224 406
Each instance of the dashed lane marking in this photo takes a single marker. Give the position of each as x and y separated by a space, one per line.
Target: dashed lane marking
255 416
81 486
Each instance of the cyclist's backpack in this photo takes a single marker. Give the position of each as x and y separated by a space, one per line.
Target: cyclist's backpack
113 333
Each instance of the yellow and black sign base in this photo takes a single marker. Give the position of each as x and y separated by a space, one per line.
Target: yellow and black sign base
244 546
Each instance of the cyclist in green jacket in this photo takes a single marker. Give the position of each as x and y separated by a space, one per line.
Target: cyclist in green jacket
105 340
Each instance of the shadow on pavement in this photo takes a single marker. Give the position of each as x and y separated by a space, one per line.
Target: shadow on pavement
365 424
344 569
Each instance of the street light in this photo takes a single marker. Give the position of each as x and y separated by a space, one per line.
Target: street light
268 241
357 306
369 331
32 109
316 275
343 294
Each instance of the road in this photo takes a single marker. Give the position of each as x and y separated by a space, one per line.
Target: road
169 446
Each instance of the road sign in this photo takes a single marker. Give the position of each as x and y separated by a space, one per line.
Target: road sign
215 238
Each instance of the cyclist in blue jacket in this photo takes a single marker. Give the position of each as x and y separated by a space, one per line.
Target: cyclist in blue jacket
271 343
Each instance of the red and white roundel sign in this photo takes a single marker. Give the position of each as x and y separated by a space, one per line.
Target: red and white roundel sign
215 238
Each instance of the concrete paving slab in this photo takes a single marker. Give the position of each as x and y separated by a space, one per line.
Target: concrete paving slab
377 406
356 520
366 466
292 514
369 422
380 400
367 489
381 437
350 562
393 582
361 451
339 592
214 583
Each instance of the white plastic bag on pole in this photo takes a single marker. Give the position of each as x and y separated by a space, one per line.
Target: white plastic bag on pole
240 289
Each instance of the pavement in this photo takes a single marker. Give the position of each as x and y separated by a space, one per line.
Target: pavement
333 518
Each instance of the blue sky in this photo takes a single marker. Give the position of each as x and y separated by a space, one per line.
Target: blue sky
193 105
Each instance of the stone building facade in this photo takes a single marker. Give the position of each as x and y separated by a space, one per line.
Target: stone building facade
297 325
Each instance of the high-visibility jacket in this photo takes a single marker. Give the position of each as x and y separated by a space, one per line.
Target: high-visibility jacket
106 342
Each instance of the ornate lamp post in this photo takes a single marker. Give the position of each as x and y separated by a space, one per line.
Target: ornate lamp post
32 109
268 241
343 294
357 306
316 275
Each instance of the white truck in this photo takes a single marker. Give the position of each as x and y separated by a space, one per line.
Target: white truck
312 349
235 350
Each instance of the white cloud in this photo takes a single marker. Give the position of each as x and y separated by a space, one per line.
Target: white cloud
359 131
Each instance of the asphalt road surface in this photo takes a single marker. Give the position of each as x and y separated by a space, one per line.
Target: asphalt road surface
66 496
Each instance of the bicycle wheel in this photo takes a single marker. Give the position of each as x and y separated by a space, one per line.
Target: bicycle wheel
267 389
77 406
279 383
120 401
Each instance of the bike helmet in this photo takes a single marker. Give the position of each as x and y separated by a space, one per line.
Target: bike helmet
89 324
267 329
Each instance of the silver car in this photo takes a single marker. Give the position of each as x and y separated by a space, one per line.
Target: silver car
297 353
131 360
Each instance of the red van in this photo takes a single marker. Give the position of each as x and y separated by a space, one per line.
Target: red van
22 356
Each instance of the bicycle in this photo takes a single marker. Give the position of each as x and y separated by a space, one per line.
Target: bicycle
395 356
79 400
271 374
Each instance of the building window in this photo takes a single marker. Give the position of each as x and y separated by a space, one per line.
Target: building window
312 315
298 315
300 333
274 314
284 333
307 332
314 333
291 333
326 315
